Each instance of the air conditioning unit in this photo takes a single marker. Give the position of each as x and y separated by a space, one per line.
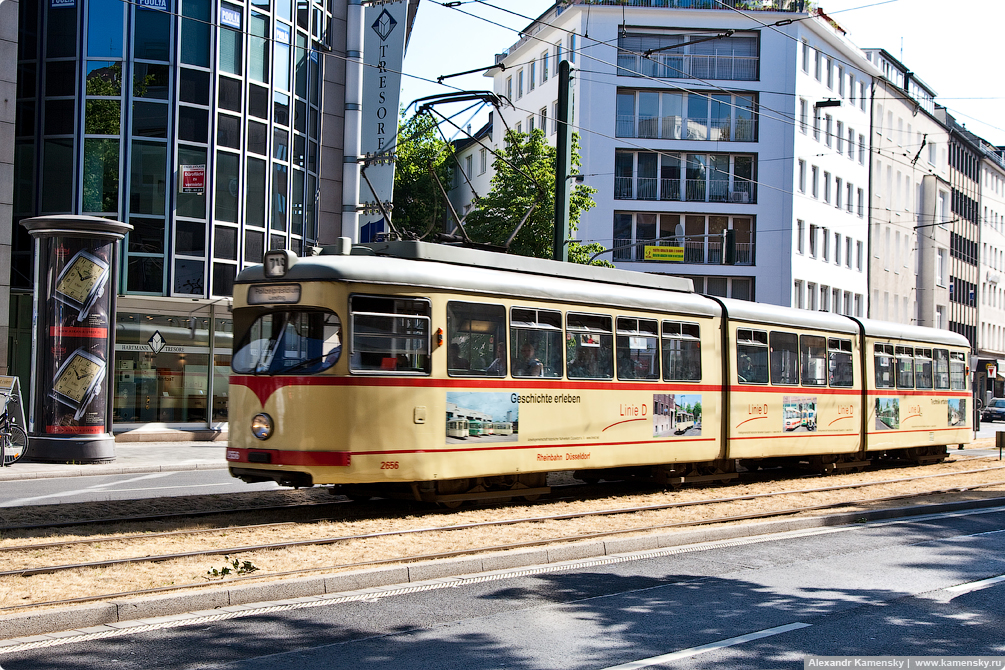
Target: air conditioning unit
739 196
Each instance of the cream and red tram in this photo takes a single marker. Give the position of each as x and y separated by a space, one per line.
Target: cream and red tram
606 372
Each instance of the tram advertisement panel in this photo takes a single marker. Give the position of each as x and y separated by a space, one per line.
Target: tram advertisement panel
574 421
76 312
914 413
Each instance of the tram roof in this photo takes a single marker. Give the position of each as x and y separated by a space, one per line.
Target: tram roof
788 317
424 265
900 331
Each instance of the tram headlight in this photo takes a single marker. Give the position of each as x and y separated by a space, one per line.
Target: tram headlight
261 426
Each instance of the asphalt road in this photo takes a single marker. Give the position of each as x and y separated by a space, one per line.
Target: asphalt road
904 587
60 490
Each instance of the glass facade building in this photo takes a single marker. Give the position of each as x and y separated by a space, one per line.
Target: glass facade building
198 122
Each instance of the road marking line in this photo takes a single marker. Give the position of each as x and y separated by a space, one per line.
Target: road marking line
712 646
976 586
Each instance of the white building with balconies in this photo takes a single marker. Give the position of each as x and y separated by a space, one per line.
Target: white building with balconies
743 121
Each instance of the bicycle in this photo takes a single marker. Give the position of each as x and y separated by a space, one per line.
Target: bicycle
13 439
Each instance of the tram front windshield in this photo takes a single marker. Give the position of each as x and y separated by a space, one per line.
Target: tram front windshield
289 342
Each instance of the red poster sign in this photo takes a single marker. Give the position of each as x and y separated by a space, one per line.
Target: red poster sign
193 178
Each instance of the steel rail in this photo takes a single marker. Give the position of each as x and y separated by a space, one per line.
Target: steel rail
25 572
202 531
516 545
167 515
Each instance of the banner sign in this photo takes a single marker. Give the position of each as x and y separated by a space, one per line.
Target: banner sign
664 253
383 54
57 4
193 179
153 4
282 33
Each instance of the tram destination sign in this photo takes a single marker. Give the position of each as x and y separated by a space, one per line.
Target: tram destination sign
274 294
654 253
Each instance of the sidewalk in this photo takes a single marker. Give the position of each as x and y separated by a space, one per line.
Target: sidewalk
131 457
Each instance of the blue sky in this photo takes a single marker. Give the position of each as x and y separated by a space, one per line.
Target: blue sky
951 46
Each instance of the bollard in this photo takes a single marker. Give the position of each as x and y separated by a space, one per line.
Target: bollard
1000 442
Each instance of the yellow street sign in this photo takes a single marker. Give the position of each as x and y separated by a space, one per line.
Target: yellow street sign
664 253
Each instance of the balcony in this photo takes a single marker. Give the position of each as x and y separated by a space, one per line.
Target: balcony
688 66
739 191
698 250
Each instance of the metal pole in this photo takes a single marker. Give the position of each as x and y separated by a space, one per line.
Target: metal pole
563 162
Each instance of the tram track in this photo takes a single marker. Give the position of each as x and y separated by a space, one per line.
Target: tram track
562 536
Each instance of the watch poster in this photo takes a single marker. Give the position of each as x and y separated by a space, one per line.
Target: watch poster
78 286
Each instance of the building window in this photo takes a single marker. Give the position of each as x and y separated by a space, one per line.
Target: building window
839 137
800 225
847 252
802 176
509 87
828 126
815 181
940 267
806 57
544 66
803 116
734 57
838 189
648 175
797 294
816 124
837 248
811 296
542 119
858 256
825 234
572 47
827 187
686 116
519 84
483 160
851 144
701 236
818 63
861 203
532 76
813 241
861 149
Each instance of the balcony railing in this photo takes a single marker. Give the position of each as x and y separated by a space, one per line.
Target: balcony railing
672 127
688 66
698 249
740 191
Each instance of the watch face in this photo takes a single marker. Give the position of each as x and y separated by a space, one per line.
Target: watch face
77 376
80 278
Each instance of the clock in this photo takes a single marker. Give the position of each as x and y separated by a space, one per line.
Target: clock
81 282
78 380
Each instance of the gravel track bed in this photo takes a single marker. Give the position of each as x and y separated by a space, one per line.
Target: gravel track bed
357 519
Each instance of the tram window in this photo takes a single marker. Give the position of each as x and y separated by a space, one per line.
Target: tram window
958 370
389 334
476 339
752 356
784 358
923 377
681 352
589 345
287 342
638 349
941 368
813 359
535 337
905 367
841 372
884 366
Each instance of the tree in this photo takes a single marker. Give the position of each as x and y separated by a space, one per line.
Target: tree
525 176
418 202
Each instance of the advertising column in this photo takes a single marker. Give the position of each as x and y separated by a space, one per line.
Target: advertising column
72 339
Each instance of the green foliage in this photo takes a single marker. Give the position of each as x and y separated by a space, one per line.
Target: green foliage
582 253
525 176
235 566
418 202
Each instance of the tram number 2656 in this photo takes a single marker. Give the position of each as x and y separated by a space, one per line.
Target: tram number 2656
389 465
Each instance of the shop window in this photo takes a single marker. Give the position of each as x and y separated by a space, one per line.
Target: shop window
476 339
